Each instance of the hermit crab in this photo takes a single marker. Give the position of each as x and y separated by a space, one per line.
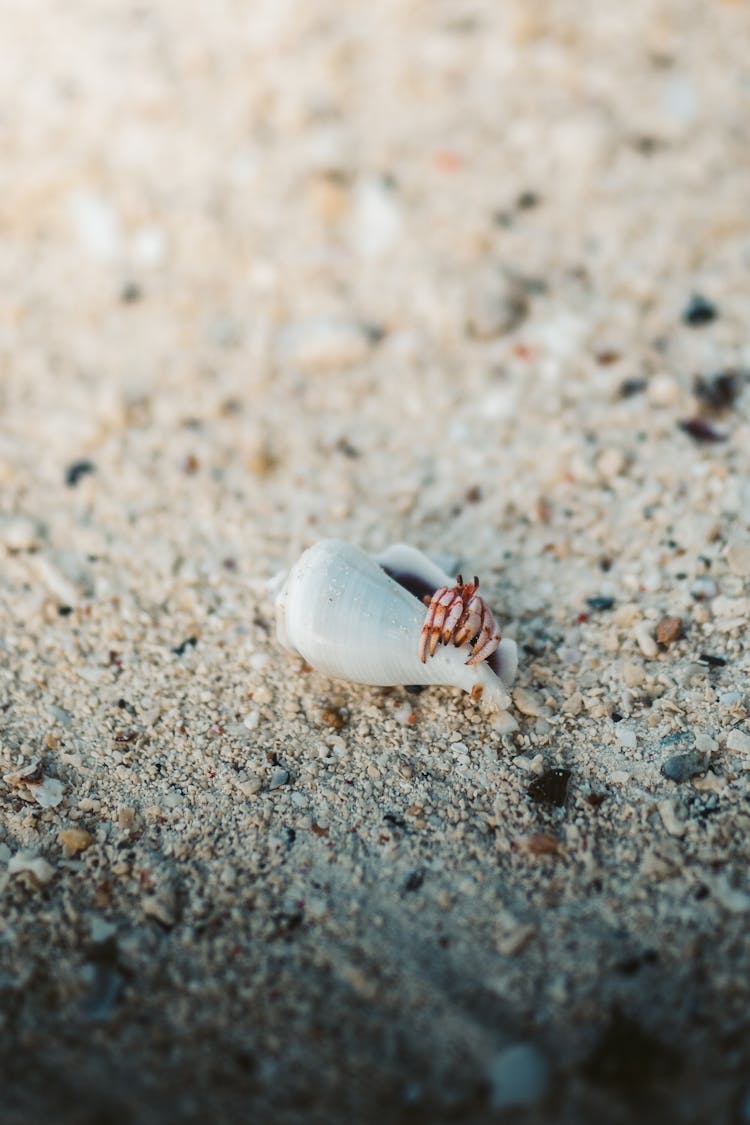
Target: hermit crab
362 618
458 615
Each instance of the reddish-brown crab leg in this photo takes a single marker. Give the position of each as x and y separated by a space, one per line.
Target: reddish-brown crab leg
470 623
433 623
487 641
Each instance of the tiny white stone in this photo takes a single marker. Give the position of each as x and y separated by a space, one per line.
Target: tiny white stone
49 793
646 642
35 865
738 556
149 247
505 723
251 720
278 778
19 533
705 744
376 218
738 741
627 738
704 588
527 702
96 224
670 819
663 390
730 698
323 345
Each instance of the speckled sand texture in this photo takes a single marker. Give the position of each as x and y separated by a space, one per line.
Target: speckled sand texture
469 275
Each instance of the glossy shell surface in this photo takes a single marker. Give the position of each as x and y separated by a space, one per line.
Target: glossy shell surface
348 618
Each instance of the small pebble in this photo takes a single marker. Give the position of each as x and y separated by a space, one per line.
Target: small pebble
681 767
505 723
730 699
703 588
518 1076
34 865
738 741
497 303
551 788
75 840
96 224
735 900
674 825
77 470
719 392
711 660
627 738
738 556
573 705
101 930
600 603
669 630
663 390
161 907
699 311
702 431
645 641
633 674
278 778
527 702
376 225
19 533
321 346
705 744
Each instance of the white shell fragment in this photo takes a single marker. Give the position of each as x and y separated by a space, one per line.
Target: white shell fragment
341 611
33 785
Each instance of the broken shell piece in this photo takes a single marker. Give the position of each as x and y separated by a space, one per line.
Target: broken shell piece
359 618
33 785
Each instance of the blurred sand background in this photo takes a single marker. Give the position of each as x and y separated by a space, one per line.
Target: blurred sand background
450 273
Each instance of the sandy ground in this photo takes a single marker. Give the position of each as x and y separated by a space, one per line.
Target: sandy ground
457 274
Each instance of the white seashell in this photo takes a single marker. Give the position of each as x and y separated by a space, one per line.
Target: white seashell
341 611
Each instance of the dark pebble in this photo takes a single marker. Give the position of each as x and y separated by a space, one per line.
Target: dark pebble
78 469
527 200
130 293
607 356
596 800
65 610
181 648
681 767
698 311
630 387
700 430
551 788
600 603
718 392
414 882
711 661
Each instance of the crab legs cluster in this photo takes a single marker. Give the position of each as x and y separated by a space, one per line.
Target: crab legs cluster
457 615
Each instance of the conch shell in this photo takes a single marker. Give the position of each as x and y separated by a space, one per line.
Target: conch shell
359 617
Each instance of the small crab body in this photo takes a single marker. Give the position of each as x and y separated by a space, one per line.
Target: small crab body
457 615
